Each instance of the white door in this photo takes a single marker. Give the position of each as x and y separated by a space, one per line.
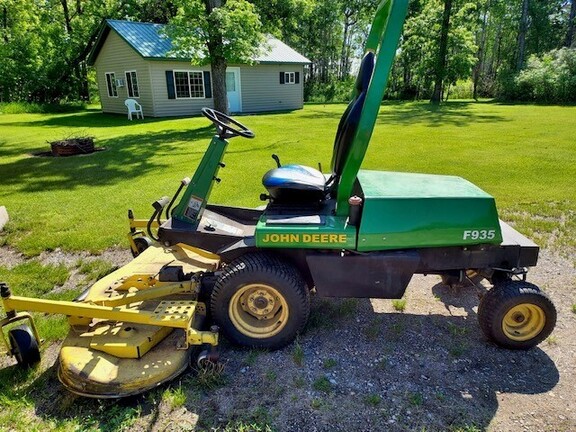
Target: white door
233 89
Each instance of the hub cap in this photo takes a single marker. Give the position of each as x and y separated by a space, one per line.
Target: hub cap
258 311
523 322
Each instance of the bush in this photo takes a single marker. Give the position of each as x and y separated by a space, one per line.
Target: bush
463 89
549 78
35 108
333 91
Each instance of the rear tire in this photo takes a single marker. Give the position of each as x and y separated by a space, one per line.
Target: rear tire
260 301
516 315
24 346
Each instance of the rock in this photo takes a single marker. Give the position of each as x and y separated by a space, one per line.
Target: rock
3 217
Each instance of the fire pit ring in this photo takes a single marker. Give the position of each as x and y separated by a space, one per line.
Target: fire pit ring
73 146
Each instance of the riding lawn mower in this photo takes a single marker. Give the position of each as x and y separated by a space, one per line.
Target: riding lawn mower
202 269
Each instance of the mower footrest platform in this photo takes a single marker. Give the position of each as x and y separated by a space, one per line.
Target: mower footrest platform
175 312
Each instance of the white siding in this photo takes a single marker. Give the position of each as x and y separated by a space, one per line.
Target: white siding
118 57
262 91
174 107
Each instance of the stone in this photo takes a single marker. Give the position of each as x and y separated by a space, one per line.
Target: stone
3 217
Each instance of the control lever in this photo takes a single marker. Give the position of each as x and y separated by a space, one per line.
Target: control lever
184 182
158 205
277 159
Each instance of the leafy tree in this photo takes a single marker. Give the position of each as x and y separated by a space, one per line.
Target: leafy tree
416 70
571 22
440 66
217 32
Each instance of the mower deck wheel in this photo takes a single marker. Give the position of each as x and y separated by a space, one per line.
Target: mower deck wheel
516 315
260 301
142 243
24 346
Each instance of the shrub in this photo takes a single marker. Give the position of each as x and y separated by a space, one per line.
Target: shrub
35 108
549 78
333 91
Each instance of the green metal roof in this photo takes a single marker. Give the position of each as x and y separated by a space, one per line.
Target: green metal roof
148 40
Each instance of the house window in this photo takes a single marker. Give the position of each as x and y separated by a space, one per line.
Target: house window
111 84
289 77
132 84
189 84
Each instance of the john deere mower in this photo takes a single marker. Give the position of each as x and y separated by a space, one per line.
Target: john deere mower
200 268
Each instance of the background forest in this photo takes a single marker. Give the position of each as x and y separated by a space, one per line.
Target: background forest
508 49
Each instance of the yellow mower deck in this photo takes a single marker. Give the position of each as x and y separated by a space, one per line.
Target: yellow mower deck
102 358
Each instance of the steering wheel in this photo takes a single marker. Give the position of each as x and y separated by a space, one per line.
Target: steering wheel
225 125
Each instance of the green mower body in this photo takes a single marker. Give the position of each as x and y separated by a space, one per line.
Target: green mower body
350 232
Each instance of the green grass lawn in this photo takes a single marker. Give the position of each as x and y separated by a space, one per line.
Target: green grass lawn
522 154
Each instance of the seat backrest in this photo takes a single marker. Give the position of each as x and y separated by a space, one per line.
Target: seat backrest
131 104
351 117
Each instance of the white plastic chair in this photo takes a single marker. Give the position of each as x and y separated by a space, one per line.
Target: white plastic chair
133 108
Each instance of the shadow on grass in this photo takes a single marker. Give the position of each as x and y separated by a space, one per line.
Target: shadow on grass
88 119
125 157
457 113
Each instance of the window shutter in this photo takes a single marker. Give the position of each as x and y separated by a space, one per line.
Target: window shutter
297 78
207 85
170 85
281 77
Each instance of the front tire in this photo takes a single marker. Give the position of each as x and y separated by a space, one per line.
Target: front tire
260 301
24 346
516 315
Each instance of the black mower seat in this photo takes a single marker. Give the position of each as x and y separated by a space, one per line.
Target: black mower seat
299 183
295 183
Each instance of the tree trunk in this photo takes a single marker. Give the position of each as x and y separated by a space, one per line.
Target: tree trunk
481 51
440 71
84 90
218 62
345 52
522 35
219 83
66 16
5 23
570 33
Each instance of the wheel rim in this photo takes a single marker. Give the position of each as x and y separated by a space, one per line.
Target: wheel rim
258 311
523 322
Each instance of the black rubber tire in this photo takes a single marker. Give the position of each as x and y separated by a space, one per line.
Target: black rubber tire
502 298
24 346
259 268
142 243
